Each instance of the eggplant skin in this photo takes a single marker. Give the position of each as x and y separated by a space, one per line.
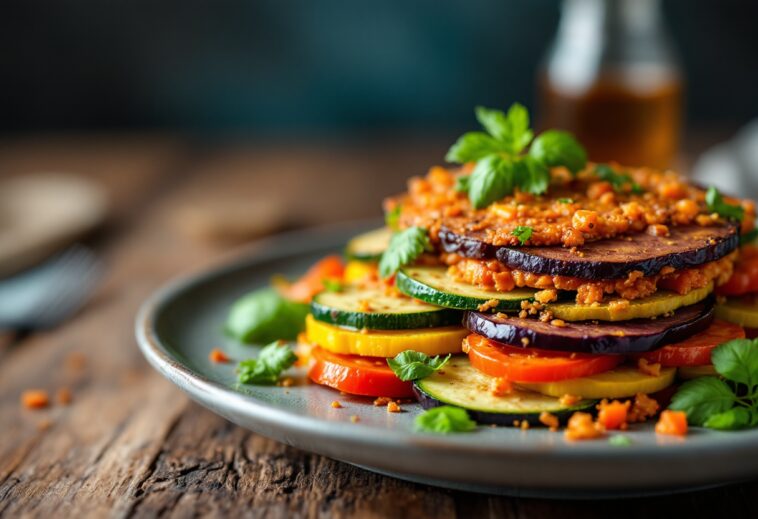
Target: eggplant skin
686 246
505 419
623 337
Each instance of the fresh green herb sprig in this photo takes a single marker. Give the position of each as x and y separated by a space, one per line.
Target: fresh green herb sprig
716 204
445 419
404 248
502 165
413 365
523 233
264 315
566 200
619 181
728 403
392 217
268 366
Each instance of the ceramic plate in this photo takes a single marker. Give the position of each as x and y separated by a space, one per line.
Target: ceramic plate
179 325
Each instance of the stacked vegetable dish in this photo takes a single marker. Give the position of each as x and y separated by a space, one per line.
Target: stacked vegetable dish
528 286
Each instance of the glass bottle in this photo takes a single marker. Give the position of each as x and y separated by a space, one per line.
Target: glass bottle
611 77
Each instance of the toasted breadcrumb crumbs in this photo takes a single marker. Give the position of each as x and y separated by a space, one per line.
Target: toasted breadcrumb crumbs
354 418
336 405
63 396
525 341
287 382
516 423
643 408
524 425
500 386
652 369
364 306
546 296
218 356
569 400
582 427
392 407
35 399
613 415
559 323
549 420
488 305
673 423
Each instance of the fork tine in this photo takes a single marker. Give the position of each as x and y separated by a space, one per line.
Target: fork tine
78 270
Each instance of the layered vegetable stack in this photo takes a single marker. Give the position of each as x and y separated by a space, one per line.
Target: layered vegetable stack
565 284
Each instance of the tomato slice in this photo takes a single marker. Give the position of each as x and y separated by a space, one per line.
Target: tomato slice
518 364
744 279
312 282
696 350
365 376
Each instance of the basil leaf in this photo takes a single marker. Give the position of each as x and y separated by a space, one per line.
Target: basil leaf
559 148
533 176
272 360
734 418
462 183
523 233
444 420
413 365
472 146
737 360
716 204
511 130
263 316
702 397
491 180
404 248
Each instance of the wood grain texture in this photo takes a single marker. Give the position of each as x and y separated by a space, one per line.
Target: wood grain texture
129 443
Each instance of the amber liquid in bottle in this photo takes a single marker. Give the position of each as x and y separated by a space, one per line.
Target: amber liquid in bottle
618 120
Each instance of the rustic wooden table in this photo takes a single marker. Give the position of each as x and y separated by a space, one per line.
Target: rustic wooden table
131 444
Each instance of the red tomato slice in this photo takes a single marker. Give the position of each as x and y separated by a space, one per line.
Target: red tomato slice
312 281
744 279
366 376
696 351
532 364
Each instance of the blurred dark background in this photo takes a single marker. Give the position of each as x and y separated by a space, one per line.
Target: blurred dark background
300 67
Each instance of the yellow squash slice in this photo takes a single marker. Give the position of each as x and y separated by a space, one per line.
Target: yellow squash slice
611 310
384 343
621 382
739 310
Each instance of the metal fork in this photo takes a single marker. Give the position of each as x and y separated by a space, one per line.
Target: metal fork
48 294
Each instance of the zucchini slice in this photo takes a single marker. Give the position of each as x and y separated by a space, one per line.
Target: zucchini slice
369 246
624 381
372 308
434 286
652 306
384 343
460 385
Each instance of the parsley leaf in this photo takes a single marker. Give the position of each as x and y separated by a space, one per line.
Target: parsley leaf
392 217
462 183
716 204
265 370
619 440
413 365
734 418
737 360
404 248
523 233
491 180
702 397
263 316
502 165
619 181
559 148
444 420
333 285
566 200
